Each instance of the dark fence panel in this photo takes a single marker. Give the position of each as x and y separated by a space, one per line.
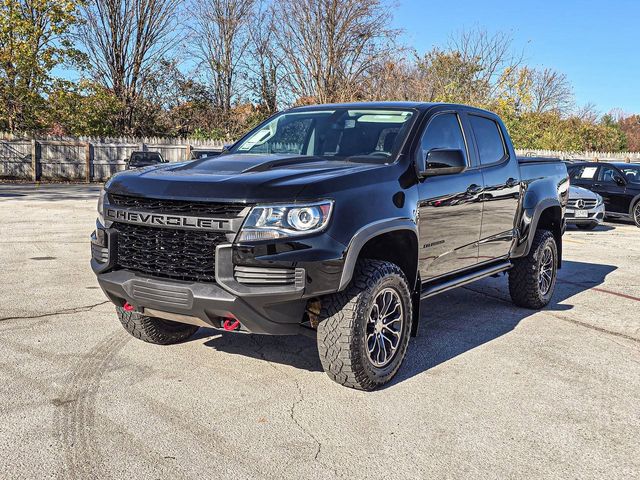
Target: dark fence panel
84 158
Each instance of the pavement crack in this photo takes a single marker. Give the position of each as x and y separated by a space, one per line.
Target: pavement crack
294 405
593 327
292 414
66 311
560 317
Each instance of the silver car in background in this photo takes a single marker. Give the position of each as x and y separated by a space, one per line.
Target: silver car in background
585 209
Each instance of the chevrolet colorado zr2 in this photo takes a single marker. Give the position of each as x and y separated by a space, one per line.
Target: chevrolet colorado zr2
333 221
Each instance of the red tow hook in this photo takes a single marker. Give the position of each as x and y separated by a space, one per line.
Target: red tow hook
128 307
230 324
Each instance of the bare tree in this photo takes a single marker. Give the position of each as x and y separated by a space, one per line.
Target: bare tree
264 64
329 45
490 55
221 32
587 113
550 91
393 77
125 40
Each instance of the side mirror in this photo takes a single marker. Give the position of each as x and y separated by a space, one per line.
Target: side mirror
226 147
619 180
444 162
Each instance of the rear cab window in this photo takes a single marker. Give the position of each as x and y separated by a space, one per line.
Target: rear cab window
489 140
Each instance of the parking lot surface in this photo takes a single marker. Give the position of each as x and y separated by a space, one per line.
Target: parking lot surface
488 390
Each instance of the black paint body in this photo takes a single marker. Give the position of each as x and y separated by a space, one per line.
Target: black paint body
436 227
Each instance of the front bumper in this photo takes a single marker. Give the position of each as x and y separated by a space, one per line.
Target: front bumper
260 308
276 315
593 215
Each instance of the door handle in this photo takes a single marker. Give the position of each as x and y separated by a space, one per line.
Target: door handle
511 182
474 188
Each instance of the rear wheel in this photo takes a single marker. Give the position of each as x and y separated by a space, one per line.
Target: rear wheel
532 279
154 330
587 226
364 330
636 214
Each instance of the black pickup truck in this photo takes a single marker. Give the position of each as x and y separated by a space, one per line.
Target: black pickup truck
333 221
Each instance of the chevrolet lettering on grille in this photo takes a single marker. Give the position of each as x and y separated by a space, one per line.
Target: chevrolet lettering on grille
170 221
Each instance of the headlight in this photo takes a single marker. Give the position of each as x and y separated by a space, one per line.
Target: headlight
101 206
269 222
599 200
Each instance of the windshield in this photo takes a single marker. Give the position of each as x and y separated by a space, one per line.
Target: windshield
631 173
338 134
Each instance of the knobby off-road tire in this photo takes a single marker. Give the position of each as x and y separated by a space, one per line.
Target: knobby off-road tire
587 226
344 332
154 330
526 286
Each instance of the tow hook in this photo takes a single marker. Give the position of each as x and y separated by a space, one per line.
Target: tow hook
230 324
128 307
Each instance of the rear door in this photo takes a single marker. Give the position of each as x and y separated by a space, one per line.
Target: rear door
501 176
583 175
449 210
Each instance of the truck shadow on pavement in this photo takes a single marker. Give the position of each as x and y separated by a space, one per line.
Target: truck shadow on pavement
600 228
452 324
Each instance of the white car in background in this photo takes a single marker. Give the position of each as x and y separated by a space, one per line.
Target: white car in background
585 209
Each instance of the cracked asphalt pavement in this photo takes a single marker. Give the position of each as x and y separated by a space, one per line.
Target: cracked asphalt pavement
488 390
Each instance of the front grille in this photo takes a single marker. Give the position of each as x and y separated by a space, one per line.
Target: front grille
177 206
588 203
178 254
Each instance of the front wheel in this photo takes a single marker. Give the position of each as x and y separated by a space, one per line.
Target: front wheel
636 214
532 279
154 330
364 330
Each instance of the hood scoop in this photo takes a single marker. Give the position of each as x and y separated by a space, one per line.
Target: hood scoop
282 162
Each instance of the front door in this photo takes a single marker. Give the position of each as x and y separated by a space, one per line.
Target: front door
450 207
612 187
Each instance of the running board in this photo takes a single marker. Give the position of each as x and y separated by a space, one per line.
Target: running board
443 286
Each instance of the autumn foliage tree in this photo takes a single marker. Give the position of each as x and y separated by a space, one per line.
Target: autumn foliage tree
214 68
34 39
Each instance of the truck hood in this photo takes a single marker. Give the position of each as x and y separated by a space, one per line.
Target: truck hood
240 178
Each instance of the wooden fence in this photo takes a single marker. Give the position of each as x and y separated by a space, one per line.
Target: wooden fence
84 159
89 159
591 156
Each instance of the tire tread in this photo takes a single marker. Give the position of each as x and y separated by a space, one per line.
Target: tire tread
338 335
152 330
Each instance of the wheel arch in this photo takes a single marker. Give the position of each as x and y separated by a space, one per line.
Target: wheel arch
633 203
391 240
546 214
549 217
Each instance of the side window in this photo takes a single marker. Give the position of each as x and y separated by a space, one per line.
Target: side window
444 133
607 175
488 138
584 173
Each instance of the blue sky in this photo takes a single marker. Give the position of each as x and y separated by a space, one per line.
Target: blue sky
595 43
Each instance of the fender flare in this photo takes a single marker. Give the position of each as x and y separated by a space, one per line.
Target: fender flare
530 227
366 233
